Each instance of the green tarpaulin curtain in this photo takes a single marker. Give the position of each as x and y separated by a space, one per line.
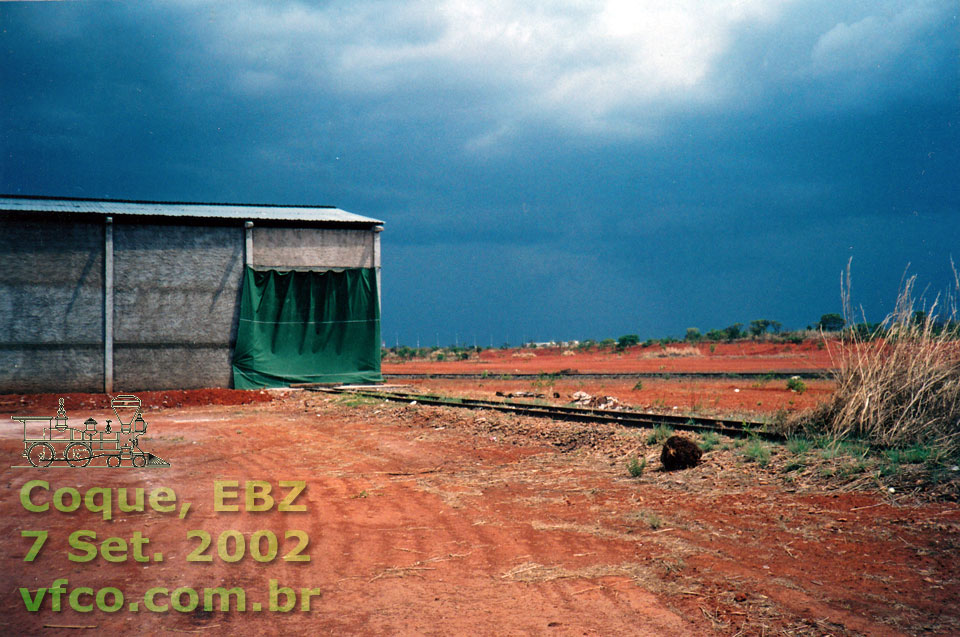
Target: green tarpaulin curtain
307 327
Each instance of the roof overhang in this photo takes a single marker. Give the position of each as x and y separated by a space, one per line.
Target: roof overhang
309 215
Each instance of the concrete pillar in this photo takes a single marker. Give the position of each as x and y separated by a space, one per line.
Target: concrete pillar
376 260
248 243
108 306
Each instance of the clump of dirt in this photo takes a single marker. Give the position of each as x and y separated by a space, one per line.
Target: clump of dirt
680 453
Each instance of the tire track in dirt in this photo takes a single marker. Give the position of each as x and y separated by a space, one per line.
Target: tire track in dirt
418 526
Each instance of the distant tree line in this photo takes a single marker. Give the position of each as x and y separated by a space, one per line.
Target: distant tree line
757 329
453 352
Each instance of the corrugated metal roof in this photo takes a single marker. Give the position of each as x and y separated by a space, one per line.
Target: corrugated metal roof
253 212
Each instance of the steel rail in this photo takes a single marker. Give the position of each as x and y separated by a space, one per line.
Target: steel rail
577 414
503 375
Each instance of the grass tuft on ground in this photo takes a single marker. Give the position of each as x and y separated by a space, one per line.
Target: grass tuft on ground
898 386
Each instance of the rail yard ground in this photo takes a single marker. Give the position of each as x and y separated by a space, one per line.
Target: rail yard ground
724 358
438 520
707 379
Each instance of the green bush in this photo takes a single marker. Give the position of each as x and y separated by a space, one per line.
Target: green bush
636 466
627 340
759 326
733 332
831 322
795 384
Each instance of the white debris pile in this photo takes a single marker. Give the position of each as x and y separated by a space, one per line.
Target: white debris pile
583 399
520 394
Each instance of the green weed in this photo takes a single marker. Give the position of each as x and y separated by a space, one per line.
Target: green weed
797 385
659 434
912 455
545 380
356 401
762 381
708 441
757 451
793 465
636 466
798 446
852 468
651 519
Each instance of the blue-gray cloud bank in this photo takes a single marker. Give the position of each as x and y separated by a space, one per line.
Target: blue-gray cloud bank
559 170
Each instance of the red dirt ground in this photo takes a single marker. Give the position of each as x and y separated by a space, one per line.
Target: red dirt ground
440 521
693 396
150 399
679 357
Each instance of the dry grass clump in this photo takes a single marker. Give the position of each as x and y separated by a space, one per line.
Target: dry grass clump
899 386
674 352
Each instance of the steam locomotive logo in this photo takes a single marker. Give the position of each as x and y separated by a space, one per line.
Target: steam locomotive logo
49 440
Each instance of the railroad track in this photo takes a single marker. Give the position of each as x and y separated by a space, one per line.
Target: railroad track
488 375
738 428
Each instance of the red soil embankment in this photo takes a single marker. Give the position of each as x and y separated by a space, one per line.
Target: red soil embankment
745 357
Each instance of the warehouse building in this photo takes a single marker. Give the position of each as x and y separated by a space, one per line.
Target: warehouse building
108 295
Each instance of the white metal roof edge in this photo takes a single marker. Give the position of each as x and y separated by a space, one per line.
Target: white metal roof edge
181 209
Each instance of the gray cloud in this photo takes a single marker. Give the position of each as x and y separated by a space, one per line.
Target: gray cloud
584 167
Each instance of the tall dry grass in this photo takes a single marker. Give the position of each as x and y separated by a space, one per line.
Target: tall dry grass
900 386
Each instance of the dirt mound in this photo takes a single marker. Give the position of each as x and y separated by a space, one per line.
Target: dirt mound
679 453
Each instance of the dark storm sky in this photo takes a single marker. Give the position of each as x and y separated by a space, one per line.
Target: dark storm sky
546 170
